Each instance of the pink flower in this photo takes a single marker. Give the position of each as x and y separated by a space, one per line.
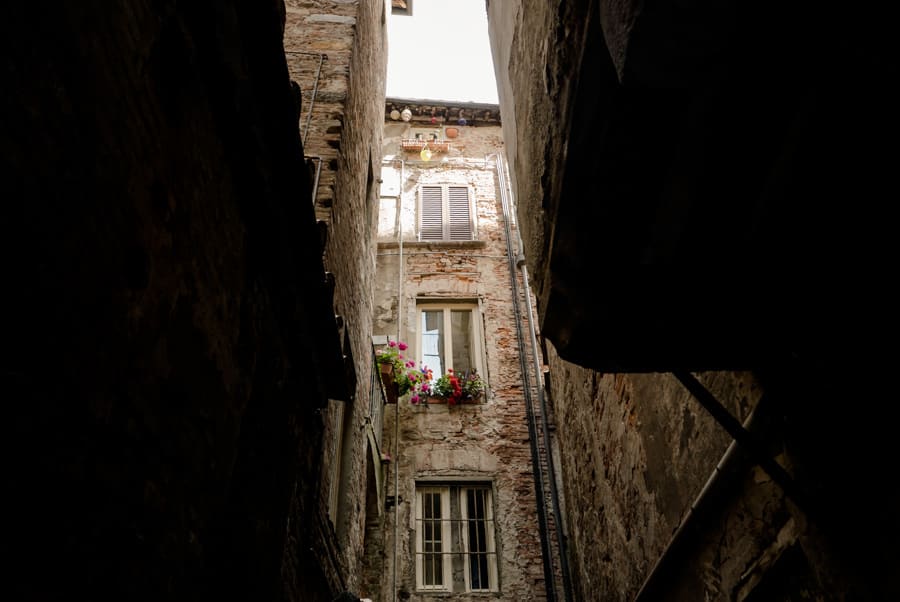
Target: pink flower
394 344
403 346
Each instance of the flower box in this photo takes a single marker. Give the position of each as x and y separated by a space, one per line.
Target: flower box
474 400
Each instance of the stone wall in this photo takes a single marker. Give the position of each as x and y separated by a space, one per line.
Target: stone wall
337 53
636 452
536 107
173 335
635 448
490 440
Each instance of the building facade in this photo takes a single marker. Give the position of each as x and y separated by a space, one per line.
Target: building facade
669 164
464 516
194 319
336 52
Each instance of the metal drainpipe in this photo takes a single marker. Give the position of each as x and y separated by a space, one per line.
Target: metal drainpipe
398 224
322 56
554 494
318 161
542 402
532 426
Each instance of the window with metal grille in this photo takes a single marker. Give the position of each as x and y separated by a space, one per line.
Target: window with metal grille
445 213
456 548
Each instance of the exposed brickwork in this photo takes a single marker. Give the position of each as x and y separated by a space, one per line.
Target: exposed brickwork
490 440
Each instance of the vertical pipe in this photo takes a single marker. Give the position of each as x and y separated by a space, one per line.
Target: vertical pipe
315 92
529 405
313 100
398 224
318 161
554 493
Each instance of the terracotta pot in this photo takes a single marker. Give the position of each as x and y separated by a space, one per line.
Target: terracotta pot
451 132
391 390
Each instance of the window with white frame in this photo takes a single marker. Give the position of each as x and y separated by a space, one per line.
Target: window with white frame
450 336
446 213
456 546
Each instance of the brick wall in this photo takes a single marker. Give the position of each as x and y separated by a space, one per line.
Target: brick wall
491 440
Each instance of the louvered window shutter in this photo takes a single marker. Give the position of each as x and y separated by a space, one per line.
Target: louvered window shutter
460 219
445 213
431 225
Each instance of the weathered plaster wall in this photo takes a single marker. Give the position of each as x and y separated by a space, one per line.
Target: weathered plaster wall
489 440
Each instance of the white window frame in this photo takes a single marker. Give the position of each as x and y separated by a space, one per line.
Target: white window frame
490 539
453 224
446 537
455 533
476 334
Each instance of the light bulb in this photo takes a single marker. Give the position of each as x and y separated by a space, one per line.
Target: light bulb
425 154
395 114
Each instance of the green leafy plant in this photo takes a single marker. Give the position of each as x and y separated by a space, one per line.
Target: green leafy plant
392 355
407 377
458 388
420 381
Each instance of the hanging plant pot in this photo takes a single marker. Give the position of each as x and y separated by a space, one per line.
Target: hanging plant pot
391 390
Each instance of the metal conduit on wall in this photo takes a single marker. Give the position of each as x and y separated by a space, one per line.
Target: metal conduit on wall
537 469
315 91
398 225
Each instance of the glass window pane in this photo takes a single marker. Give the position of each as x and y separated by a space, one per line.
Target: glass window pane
432 545
433 341
461 329
478 549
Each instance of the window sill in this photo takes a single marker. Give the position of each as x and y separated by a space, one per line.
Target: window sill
427 244
474 401
444 593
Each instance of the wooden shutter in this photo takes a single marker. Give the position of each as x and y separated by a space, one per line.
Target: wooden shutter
460 218
431 226
445 213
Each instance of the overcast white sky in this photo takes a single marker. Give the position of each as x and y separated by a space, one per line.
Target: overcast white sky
441 52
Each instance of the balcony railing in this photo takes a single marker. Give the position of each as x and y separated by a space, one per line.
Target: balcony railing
417 144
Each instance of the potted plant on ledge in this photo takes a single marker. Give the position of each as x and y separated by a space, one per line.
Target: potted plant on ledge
452 388
394 370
